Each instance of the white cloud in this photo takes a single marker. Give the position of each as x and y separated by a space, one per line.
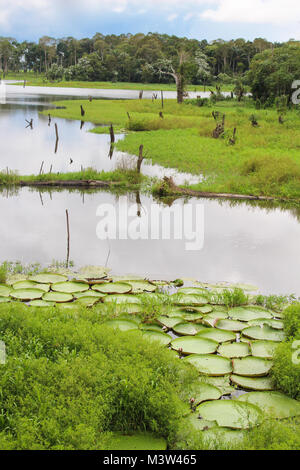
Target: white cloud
275 12
172 17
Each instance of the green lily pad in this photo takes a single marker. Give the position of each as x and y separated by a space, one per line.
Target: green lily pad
5 300
215 334
204 392
234 350
229 413
265 333
252 366
123 325
27 294
41 303
90 293
193 345
31 285
122 299
169 322
189 329
151 327
141 286
93 272
248 313
253 383
48 278
113 288
273 403
162 338
230 325
58 297
264 349
5 291
192 317
70 287
192 291
185 299
212 318
222 383
87 301
210 364
136 441
198 424
276 324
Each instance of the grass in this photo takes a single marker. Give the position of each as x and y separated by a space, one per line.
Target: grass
40 80
265 161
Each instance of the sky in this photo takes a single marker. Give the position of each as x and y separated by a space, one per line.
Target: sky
275 20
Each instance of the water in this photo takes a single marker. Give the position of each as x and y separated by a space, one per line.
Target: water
242 243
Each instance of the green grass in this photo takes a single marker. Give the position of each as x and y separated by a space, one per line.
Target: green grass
265 161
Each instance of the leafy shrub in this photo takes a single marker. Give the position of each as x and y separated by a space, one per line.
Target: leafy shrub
269 170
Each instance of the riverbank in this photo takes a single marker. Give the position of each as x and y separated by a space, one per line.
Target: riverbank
260 160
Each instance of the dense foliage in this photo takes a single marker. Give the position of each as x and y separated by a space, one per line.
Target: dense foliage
69 381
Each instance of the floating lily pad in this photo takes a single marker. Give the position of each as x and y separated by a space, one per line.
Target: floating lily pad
273 403
248 313
192 317
253 383
41 303
70 287
230 325
59 297
212 318
264 349
215 334
31 285
5 300
90 293
264 333
189 329
210 364
162 338
87 301
122 299
123 325
229 413
234 350
222 383
192 291
185 299
169 322
252 366
48 278
202 391
113 288
276 324
206 309
141 286
27 294
193 345
151 327
93 272
5 291
198 424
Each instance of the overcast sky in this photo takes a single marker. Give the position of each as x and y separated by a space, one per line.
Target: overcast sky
276 20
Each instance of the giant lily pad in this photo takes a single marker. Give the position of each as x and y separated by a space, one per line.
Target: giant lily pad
229 413
193 345
253 383
87 301
215 334
5 291
192 291
58 297
169 322
141 286
205 309
230 325
252 366
222 383
31 285
264 333
210 364
198 424
189 329
276 324
212 318
5 300
185 299
202 391
234 350
93 272
27 294
70 287
192 317
162 338
113 288
90 293
48 278
248 313
123 325
41 303
273 403
264 349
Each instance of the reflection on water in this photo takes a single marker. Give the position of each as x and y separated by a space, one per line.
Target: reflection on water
28 139
241 243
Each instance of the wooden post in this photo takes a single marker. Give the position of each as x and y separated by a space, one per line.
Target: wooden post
112 134
41 169
162 99
141 94
68 239
140 159
82 110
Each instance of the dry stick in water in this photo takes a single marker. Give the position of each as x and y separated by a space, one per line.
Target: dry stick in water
140 159
112 134
68 238
82 110
41 169
57 138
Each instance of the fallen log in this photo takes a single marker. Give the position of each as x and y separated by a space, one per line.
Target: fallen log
71 183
